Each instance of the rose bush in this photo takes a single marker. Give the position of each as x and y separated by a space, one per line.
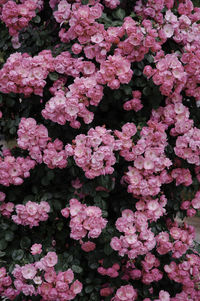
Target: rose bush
101 100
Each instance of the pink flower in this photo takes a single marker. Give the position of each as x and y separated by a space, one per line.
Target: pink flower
51 259
36 249
88 246
28 271
76 287
126 292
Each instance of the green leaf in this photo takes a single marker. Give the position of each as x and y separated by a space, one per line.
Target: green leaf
37 19
17 254
3 244
53 76
9 235
2 254
146 91
12 130
93 265
60 226
120 14
107 249
45 181
70 259
25 242
50 175
4 226
77 269
89 289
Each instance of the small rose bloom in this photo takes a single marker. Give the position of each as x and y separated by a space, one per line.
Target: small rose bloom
36 249
28 271
50 259
88 246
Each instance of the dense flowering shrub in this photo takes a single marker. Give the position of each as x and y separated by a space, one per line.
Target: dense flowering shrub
100 110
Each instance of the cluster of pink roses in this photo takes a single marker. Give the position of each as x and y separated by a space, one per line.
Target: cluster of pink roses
31 213
17 16
63 12
181 176
23 74
150 161
84 220
40 278
14 170
112 4
111 272
147 273
125 293
135 103
68 106
186 273
188 146
153 208
34 138
82 23
5 285
175 114
6 209
94 153
138 238
192 206
55 156
114 71
140 38
178 240
169 73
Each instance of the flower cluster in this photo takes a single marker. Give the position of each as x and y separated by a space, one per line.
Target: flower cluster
112 4
94 153
174 114
17 16
140 39
111 272
186 273
188 146
153 208
150 161
32 137
135 103
31 213
40 278
55 156
169 73
23 74
138 239
125 293
177 241
5 285
13 170
148 272
82 23
182 176
65 64
68 106
6 209
191 207
84 220
114 71
63 12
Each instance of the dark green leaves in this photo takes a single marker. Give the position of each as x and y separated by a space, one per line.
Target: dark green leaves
17 255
